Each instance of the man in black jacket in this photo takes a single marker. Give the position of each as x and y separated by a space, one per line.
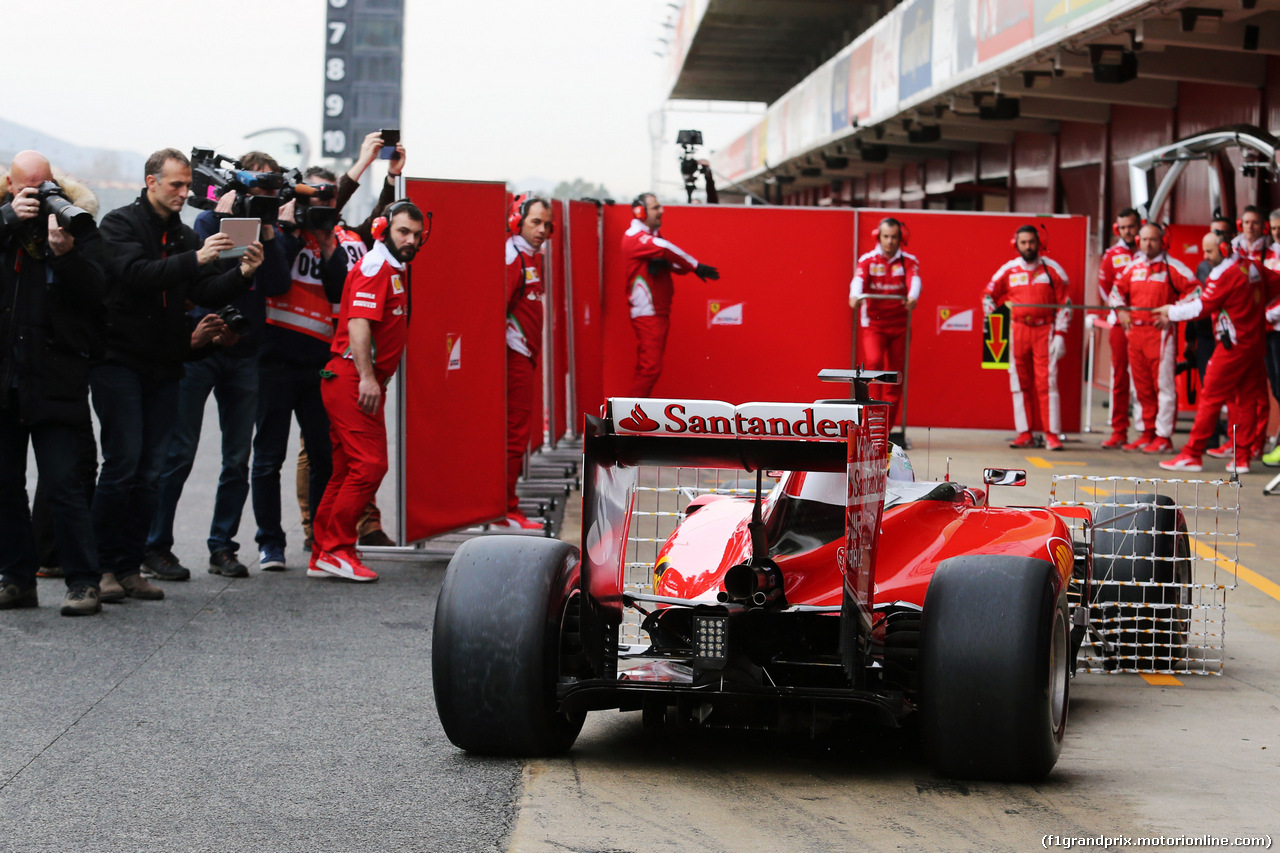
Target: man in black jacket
51 289
155 267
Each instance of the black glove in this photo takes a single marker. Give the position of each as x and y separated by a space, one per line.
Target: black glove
706 271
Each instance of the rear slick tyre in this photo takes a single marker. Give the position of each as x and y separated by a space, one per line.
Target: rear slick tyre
496 646
994 657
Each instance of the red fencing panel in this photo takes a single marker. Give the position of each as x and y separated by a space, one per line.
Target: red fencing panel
582 238
778 314
454 405
557 310
780 311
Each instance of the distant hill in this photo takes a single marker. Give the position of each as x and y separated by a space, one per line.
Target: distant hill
115 176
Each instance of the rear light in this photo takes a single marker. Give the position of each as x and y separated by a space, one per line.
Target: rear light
710 642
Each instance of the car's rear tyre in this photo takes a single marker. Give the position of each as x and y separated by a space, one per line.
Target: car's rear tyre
499 640
1146 626
994 657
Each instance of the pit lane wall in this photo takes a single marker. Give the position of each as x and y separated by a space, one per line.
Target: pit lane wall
780 311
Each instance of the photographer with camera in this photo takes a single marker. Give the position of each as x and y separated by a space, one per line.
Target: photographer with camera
156 267
299 332
51 290
650 260
230 373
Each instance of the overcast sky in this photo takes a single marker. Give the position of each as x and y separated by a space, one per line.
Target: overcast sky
493 89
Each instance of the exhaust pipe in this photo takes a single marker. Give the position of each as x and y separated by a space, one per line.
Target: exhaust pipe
755 584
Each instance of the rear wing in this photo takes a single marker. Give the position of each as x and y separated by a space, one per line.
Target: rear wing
849 436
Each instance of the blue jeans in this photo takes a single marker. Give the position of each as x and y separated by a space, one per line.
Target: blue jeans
59 452
234 384
137 417
287 391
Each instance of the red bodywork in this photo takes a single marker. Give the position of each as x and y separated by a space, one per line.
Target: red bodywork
916 536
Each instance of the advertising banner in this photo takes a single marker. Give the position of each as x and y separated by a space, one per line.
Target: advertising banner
840 94
1002 25
884 64
915 52
1051 14
860 80
454 409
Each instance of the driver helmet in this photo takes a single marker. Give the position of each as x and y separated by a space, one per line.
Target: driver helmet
899 465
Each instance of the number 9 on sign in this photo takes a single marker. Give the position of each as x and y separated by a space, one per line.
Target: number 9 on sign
333 105
335 141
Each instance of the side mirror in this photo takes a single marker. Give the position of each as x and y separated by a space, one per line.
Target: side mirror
1004 476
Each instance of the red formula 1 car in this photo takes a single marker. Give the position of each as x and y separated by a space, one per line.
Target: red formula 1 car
848 591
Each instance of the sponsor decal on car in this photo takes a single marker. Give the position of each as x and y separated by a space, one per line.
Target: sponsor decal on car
712 418
720 314
453 346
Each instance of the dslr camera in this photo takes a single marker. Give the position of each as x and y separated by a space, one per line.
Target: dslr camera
53 200
236 322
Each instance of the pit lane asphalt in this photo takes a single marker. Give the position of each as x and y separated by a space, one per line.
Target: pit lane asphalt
283 713
273 713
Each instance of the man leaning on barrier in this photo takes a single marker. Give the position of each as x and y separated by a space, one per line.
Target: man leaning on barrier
51 290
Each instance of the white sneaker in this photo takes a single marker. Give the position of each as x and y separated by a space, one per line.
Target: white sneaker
1241 468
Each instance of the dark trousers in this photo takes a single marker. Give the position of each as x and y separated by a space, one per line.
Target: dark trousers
1273 362
137 415
234 385
42 514
287 391
57 449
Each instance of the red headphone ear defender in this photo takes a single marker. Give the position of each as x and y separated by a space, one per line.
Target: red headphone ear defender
515 216
379 227
639 210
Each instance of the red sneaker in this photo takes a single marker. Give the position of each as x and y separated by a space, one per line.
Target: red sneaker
1140 442
1160 445
344 563
1117 439
1239 466
1052 442
1024 440
1226 451
517 522
1183 462
314 570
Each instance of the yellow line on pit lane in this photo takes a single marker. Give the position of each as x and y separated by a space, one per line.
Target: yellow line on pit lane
1157 679
1041 462
1262 584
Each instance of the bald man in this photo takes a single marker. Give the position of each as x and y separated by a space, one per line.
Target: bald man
51 291
1233 296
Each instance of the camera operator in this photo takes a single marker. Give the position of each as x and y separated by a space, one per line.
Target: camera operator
650 260
231 375
299 332
51 289
155 264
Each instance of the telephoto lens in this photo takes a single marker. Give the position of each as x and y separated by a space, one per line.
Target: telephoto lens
53 200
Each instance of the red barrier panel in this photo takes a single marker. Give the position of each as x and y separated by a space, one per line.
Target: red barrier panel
582 247
557 311
765 329
453 408
780 311
959 252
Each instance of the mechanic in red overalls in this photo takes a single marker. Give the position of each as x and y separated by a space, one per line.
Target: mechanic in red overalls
368 343
1037 336
649 261
1237 293
1113 262
882 326
530 224
1151 280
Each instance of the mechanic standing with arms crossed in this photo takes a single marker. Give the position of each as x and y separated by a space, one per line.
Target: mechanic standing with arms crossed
530 224
368 343
1236 292
649 260
1037 336
1113 262
882 327
1151 280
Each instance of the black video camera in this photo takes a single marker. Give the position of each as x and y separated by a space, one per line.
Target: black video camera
210 180
53 200
307 215
689 140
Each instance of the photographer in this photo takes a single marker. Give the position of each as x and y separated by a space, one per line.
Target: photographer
230 373
51 290
155 264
